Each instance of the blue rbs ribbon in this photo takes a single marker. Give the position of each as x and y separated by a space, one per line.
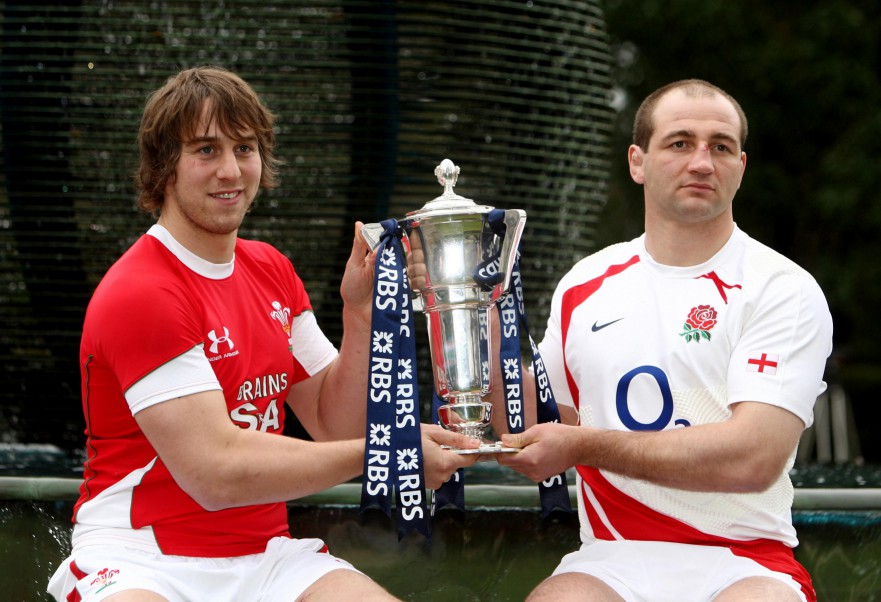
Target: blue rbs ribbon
554 492
393 454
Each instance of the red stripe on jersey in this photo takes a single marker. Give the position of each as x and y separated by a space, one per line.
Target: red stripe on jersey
574 297
597 525
775 556
720 286
636 521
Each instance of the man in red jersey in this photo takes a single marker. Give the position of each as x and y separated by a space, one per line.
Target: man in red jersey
192 343
686 364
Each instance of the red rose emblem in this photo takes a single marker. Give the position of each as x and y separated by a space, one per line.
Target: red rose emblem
702 317
699 323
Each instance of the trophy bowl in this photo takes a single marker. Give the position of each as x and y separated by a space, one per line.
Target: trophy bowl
459 262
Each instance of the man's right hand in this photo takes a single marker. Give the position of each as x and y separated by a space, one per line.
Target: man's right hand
440 464
546 450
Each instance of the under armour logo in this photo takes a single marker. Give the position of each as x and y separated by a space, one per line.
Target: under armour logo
216 340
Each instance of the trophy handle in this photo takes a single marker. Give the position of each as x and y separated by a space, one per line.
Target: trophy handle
372 233
515 220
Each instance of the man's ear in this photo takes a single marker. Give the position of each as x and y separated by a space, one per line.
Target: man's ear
635 159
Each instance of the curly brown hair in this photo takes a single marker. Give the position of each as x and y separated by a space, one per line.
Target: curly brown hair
172 114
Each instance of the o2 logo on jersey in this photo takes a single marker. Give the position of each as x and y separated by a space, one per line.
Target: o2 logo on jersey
666 413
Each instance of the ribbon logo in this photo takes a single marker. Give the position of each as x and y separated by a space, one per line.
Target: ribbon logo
393 454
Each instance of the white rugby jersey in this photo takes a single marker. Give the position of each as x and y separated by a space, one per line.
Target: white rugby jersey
635 345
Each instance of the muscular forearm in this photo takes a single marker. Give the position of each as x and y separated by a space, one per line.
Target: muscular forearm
257 468
299 468
700 458
221 465
745 453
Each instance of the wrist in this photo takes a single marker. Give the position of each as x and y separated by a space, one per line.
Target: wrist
357 314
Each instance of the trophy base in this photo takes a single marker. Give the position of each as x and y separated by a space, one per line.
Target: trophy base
470 416
485 449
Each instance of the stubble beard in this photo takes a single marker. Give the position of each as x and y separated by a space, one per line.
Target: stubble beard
220 221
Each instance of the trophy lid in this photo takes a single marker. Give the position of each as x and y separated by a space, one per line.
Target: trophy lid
449 202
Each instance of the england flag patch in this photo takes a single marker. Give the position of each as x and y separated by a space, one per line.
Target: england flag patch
766 363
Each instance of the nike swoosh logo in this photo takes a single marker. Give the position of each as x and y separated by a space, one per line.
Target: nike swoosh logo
597 327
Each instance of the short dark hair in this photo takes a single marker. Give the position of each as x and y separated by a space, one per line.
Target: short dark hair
172 114
643 123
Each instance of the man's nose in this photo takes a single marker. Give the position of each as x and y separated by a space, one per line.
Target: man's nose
228 167
701 159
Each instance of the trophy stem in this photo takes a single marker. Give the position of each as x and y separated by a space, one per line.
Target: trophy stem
467 414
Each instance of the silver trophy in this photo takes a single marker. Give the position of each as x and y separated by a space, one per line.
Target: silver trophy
458 269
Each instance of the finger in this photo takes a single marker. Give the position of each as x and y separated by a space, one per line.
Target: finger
442 436
506 459
518 440
359 245
444 471
491 457
457 440
465 460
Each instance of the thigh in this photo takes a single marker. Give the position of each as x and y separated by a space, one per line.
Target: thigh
302 569
345 584
758 589
573 587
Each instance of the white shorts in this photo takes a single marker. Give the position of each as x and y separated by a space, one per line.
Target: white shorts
649 571
280 574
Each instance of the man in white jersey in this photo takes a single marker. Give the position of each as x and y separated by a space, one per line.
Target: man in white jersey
686 364
192 344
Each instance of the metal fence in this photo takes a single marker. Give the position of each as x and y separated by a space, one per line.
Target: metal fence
371 96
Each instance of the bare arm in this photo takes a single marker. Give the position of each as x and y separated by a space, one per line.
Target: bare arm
221 465
745 453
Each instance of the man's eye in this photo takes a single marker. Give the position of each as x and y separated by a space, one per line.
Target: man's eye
678 144
722 148
205 150
244 148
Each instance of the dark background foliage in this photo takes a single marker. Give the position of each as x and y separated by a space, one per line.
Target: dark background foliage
807 76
